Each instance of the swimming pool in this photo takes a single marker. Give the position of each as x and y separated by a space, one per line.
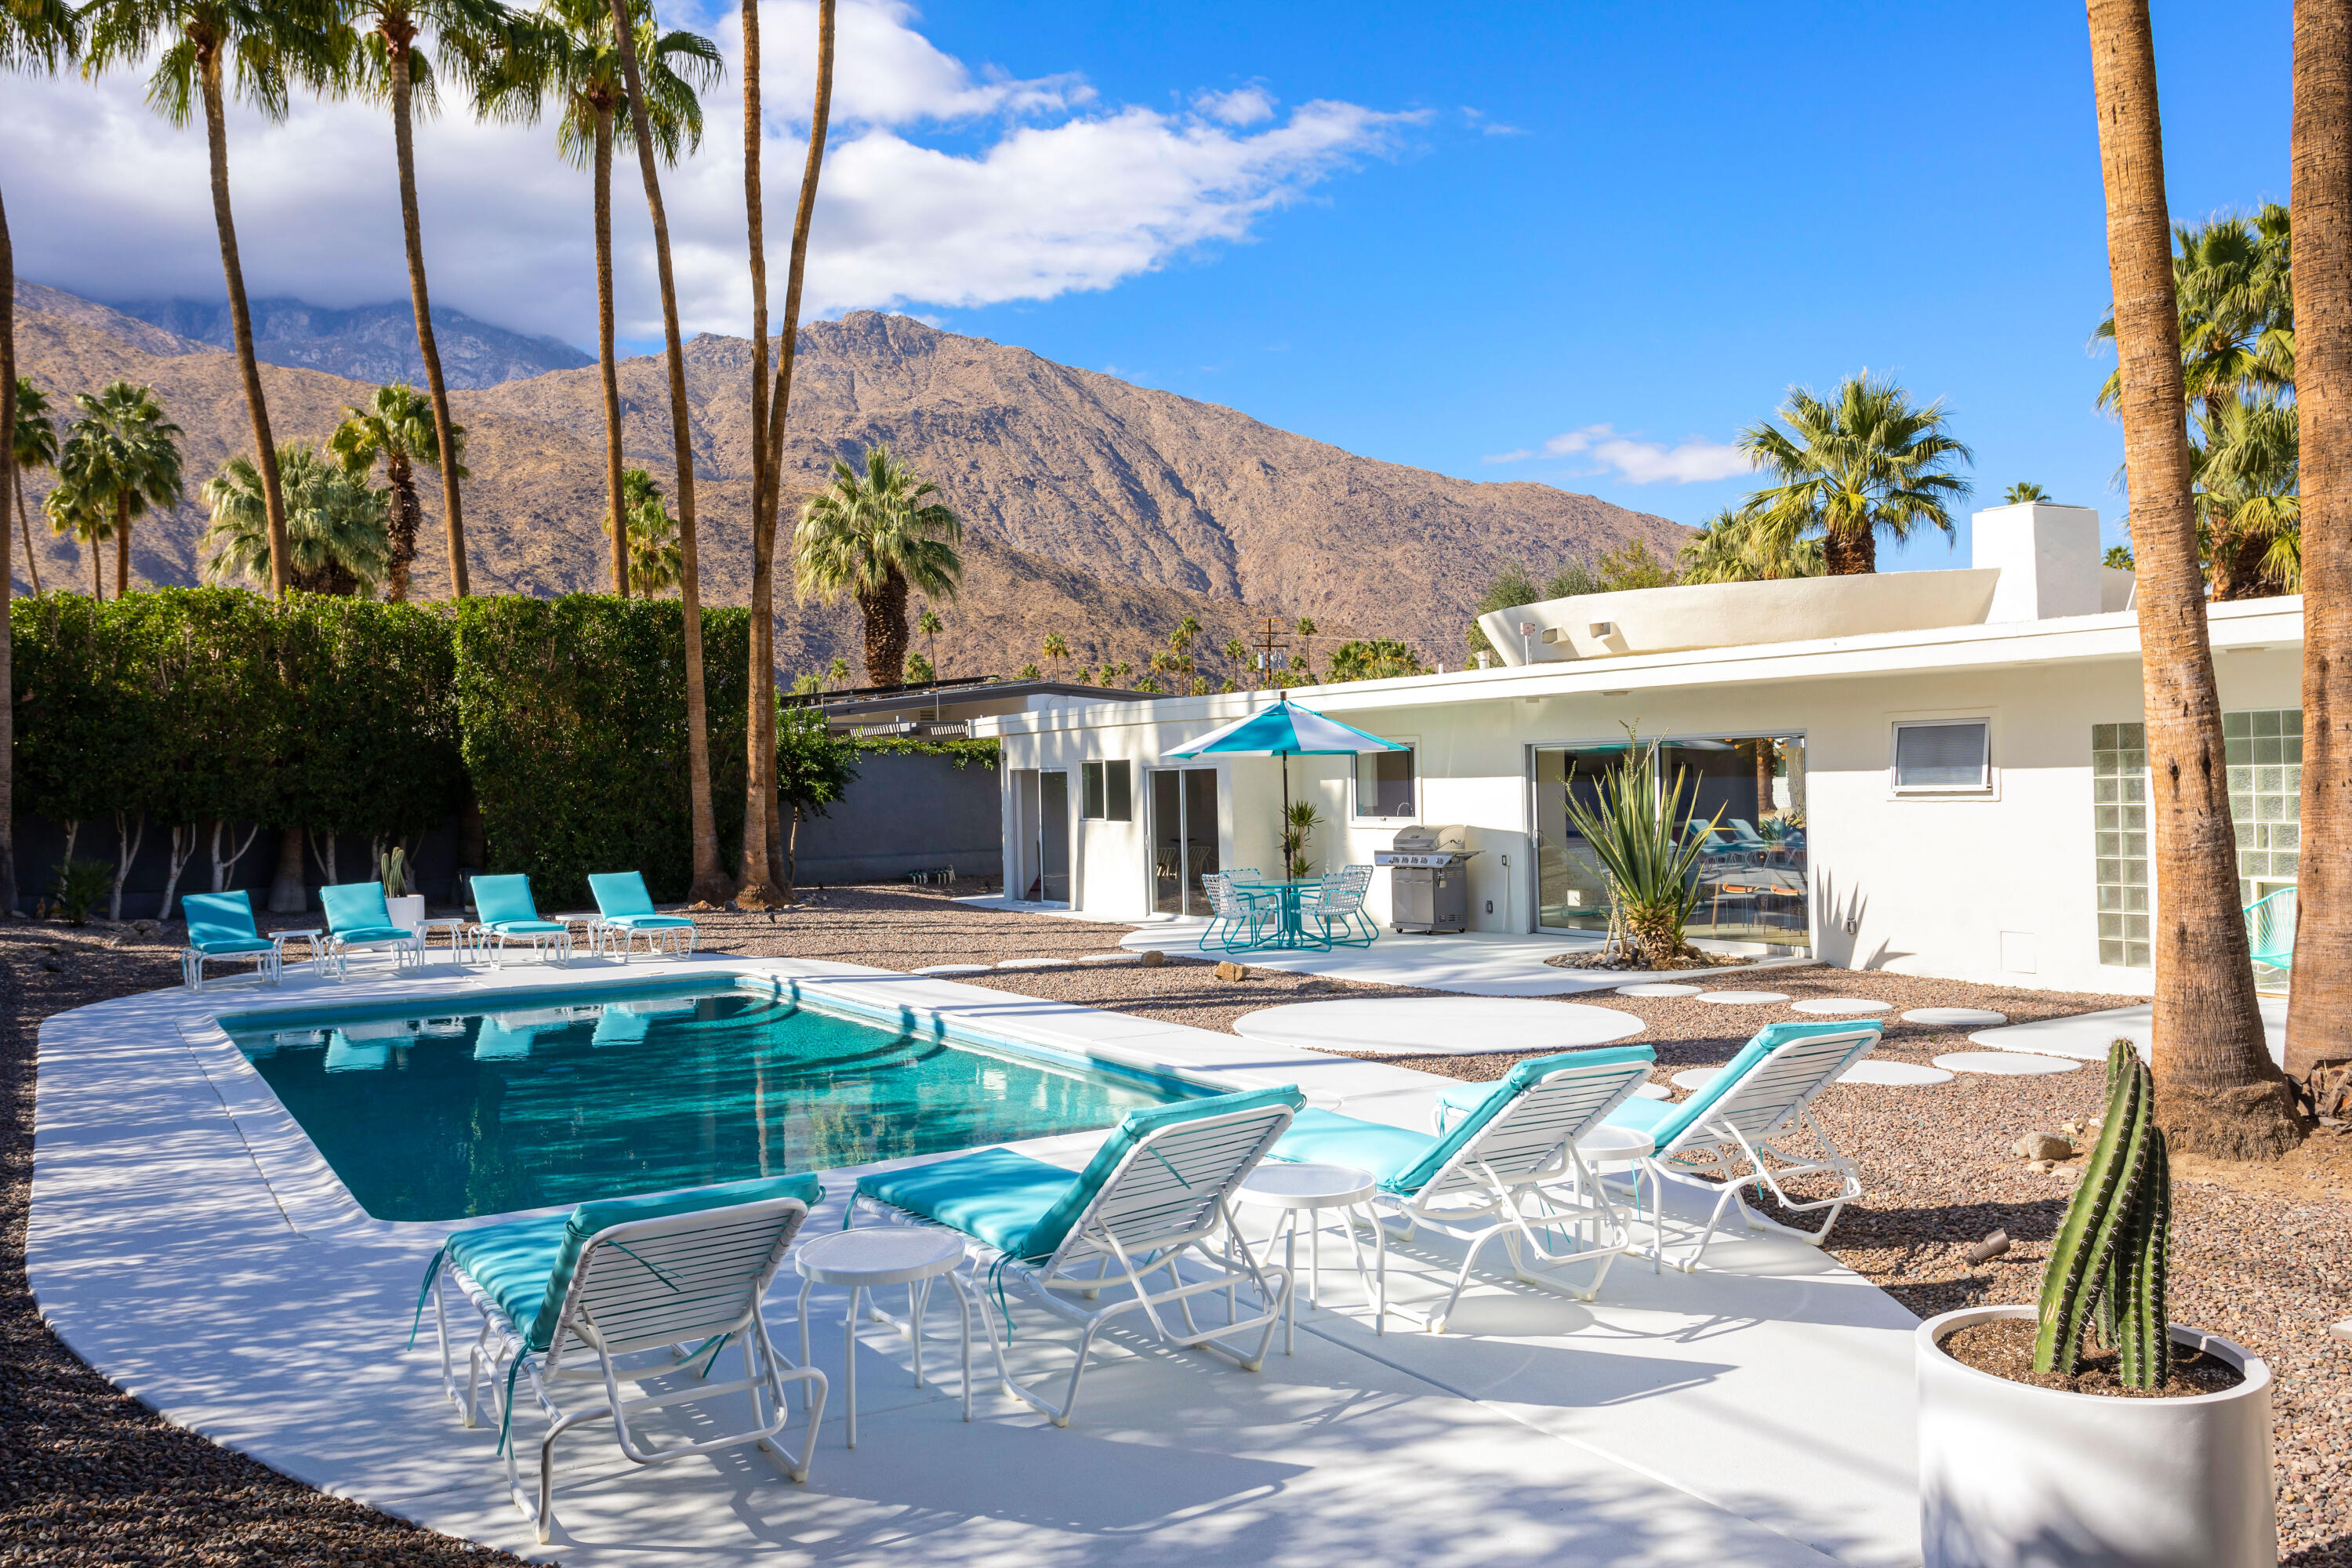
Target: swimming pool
557 1098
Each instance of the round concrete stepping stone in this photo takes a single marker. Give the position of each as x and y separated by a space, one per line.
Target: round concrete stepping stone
2004 1063
1838 1006
1033 963
1109 958
1955 1017
1899 1074
1742 999
1654 1092
951 970
1437 1025
1697 1078
1657 988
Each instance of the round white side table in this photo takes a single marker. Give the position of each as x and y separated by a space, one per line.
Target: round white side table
1606 1149
1293 1190
868 1259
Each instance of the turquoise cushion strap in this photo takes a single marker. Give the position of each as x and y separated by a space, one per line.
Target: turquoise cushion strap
1767 1040
1635 1060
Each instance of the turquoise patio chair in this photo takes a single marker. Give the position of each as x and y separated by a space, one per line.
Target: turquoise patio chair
220 925
1503 1163
358 917
503 912
1336 903
625 909
1237 913
2270 929
621 1291
1152 1197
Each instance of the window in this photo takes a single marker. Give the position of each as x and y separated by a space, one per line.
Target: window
1106 790
2119 800
1943 756
1384 784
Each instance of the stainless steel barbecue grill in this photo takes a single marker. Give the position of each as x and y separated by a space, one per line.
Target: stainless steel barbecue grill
1429 879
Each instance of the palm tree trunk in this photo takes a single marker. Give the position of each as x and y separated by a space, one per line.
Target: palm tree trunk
23 512
413 232
606 365
10 479
710 881
2319 1005
121 543
241 322
1850 552
755 878
400 477
97 583
886 631
2217 1091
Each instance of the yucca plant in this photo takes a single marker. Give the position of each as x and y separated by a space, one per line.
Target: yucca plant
2108 1265
1649 844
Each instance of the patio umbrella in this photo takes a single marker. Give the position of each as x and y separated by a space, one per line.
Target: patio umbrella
1285 731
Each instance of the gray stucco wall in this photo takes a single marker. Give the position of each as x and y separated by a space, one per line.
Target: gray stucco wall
907 813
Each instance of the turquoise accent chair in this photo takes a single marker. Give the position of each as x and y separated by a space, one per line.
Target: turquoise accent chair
504 912
625 911
220 925
358 917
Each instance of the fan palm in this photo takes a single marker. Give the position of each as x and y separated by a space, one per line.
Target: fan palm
930 626
1741 545
264 48
873 536
392 63
651 536
573 67
1057 651
123 454
1862 462
84 519
403 428
336 531
2247 497
34 446
2018 494
2233 282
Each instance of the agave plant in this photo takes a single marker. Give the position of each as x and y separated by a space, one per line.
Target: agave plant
1649 844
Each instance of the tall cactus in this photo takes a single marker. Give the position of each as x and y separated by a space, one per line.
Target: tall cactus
2107 1265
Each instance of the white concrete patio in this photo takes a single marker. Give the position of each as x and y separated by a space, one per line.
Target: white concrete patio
187 1240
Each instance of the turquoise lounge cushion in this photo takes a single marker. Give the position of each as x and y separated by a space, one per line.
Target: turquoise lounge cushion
1327 1138
214 945
1643 1115
352 907
996 1196
512 1262
523 928
647 922
375 934
1681 1118
619 893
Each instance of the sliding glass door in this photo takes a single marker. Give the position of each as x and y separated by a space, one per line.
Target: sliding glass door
1184 838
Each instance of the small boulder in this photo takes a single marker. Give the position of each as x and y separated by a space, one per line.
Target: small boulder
2044 1166
1991 1248
2042 1146
1228 970
2342 1331
1153 958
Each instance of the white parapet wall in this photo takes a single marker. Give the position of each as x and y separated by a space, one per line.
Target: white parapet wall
1739 615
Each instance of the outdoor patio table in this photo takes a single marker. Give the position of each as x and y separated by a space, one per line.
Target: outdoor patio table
1291 932
315 935
455 925
1292 1190
1606 1147
872 1256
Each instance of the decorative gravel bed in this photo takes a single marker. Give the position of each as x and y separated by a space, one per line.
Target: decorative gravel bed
89 1475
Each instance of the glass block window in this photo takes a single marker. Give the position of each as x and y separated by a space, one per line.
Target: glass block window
2119 801
2265 762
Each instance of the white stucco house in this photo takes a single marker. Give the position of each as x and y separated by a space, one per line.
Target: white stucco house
1933 773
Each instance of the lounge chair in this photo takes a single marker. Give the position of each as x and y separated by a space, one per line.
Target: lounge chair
2270 929
1336 905
1237 908
358 917
1766 1092
503 912
622 1291
1152 1197
1502 1150
625 911
220 925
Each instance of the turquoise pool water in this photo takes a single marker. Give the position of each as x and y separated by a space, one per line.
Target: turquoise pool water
612 1093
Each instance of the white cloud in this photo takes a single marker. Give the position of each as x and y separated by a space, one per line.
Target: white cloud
944 185
1693 461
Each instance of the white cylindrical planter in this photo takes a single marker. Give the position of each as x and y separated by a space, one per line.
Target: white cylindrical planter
2012 1476
407 910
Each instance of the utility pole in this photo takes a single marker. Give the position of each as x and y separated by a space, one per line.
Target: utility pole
1269 643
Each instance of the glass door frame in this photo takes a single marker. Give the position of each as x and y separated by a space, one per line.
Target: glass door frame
1184 836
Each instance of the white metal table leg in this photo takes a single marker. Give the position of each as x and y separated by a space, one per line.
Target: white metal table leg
849 1348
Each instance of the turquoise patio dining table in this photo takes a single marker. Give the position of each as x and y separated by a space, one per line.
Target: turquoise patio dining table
1291 932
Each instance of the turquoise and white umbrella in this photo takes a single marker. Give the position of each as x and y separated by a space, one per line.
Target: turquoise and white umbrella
1285 731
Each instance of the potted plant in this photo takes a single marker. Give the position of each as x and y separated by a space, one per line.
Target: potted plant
2138 1443
400 896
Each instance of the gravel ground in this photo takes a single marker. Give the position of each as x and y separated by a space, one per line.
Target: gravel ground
89 1475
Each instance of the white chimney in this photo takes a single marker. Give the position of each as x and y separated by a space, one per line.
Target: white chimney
2048 557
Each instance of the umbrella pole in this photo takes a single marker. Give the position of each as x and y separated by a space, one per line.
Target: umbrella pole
1284 838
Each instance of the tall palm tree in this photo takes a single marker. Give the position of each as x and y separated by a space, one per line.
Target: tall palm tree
2018 494
873 536
572 64
267 46
393 63
34 446
2216 1089
335 524
2248 497
403 428
123 453
710 881
1057 652
763 845
930 626
1742 545
87 520
652 535
2319 1007
1862 462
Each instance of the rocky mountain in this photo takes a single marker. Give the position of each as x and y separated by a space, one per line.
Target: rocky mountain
369 342
1097 509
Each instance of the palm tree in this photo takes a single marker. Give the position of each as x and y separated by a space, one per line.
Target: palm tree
873 536
34 446
392 63
2233 282
338 537
930 626
122 454
652 534
2217 1090
266 47
1305 656
2319 1007
2017 495
764 869
86 519
2247 497
403 429
1864 462
1057 651
1739 544
574 64
838 670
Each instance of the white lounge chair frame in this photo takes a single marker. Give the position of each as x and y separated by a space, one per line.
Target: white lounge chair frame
407 953
662 1290
1158 1206
271 965
492 944
1522 1160
610 936
1772 1101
